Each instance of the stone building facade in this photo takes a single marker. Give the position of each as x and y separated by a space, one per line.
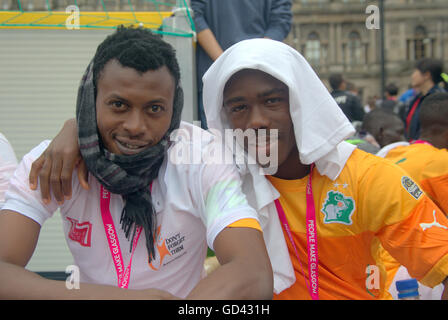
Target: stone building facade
334 37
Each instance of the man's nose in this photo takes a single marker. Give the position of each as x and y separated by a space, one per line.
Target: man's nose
257 118
134 124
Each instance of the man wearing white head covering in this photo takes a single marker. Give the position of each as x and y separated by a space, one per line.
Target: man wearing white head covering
328 206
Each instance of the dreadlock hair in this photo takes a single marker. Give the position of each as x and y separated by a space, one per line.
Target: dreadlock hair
136 48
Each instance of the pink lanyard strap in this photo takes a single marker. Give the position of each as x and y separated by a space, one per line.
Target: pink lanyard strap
311 235
112 239
421 142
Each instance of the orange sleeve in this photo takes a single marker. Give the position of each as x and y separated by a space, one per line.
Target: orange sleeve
437 190
424 251
246 223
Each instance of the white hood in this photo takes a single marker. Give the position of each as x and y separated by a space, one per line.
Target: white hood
319 124
320 129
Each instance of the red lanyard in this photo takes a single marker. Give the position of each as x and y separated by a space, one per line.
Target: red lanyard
311 236
411 114
112 239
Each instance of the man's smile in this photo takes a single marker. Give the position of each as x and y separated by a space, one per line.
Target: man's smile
129 146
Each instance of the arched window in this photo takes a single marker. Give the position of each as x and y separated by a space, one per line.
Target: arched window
354 48
312 48
419 42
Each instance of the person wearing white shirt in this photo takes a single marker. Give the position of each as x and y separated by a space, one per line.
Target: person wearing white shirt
147 216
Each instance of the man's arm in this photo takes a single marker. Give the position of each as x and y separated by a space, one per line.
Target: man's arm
18 239
205 36
280 18
445 289
208 42
54 168
245 271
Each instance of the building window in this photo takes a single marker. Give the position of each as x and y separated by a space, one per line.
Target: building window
420 45
312 48
354 48
419 42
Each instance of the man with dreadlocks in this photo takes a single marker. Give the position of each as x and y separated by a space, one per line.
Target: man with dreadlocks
129 105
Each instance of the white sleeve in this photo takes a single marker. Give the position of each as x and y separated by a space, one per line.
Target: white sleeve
223 198
8 164
21 198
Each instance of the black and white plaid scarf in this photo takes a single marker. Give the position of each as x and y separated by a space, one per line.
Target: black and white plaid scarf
128 175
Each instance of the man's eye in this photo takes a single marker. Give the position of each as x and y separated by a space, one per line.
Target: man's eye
155 108
237 108
117 104
273 100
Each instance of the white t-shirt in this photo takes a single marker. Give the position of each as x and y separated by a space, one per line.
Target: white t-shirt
8 164
194 203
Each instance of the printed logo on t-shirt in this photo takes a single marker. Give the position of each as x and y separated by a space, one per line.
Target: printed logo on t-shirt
80 232
411 187
338 208
167 249
425 226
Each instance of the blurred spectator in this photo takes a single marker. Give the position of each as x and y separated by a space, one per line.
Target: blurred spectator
391 102
371 104
426 160
408 95
350 87
387 129
425 78
364 141
220 24
347 101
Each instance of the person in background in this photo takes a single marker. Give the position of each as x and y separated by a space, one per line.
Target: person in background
363 140
425 79
426 160
220 24
348 102
391 102
8 164
386 128
371 104
408 95
350 87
